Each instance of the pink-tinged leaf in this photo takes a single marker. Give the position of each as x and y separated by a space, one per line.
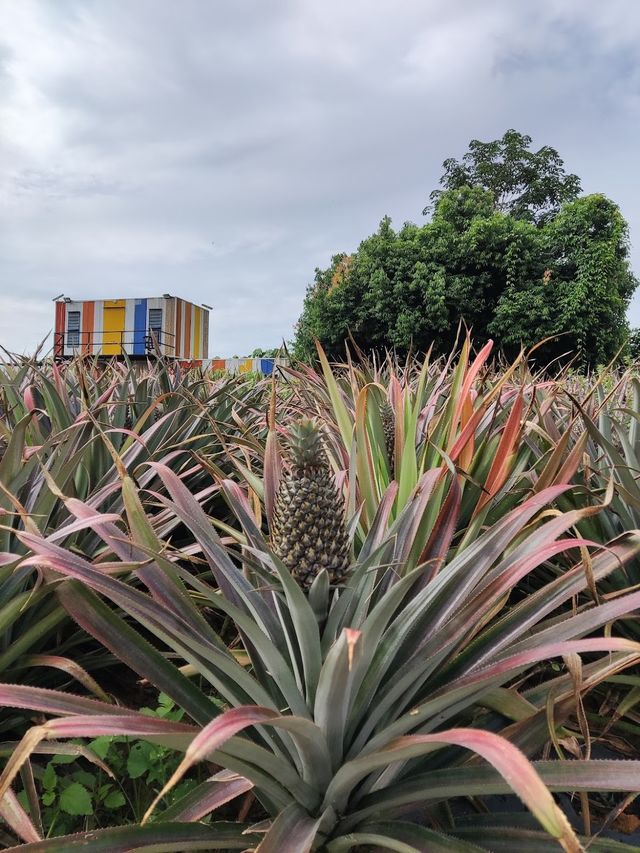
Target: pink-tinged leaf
272 473
233 583
173 734
28 452
473 562
552 465
412 516
540 652
103 398
163 621
437 548
71 668
73 749
312 749
466 434
476 779
91 520
572 463
474 611
121 639
466 456
130 724
364 458
378 528
16 818
468 381
293 831
587 621
212 737
502 460
122 430
507 759
207 797
29 398
53 701
482 603
57 377
495 674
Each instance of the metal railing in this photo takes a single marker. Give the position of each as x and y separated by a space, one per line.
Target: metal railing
123 340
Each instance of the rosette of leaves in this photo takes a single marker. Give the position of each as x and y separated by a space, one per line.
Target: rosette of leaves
354 715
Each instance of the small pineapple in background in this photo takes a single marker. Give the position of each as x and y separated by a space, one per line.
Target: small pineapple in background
309 531
389 428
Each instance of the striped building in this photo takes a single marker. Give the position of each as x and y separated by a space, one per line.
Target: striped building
135 327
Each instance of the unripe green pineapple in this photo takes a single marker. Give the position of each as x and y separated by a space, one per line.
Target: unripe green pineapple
309 532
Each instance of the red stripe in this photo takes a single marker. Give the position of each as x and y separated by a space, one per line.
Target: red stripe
58 341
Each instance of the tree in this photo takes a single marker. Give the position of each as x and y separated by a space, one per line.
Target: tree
585 291
412 287
265 353
526 184
516 261
634 345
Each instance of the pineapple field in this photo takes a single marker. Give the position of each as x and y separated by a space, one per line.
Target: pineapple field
374 605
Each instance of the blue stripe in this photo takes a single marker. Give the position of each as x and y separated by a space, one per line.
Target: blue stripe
266 366
140 326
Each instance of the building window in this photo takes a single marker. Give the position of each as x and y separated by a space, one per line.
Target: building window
155 325
73 328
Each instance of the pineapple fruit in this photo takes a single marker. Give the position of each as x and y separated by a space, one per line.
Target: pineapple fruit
389 428
309 531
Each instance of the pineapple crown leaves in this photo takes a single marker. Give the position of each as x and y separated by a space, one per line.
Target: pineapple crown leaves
306 445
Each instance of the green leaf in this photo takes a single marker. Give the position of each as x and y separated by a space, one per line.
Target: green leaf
158 838
49 777
402 838
139 760
48 798
115 800
101 745
76 800
66 759
85 778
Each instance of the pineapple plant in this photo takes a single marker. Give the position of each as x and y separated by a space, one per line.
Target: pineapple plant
309 533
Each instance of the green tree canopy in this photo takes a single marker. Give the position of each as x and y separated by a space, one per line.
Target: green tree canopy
525 184
585 291
548 273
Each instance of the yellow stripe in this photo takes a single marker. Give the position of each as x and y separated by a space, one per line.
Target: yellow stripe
196 337
113 326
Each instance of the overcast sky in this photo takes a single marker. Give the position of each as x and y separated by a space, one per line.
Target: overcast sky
220 150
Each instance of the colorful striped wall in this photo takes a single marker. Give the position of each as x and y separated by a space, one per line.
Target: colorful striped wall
115 327
266 366
124 327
